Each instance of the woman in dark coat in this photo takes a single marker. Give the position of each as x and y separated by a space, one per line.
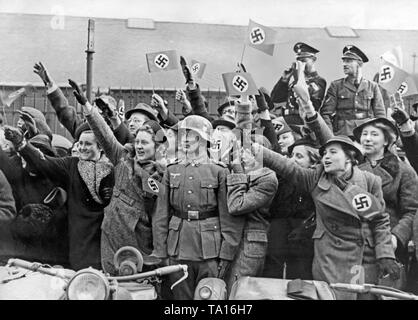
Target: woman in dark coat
352 238
88 181
399 180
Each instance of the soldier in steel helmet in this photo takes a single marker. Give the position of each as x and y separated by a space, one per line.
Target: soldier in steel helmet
192 225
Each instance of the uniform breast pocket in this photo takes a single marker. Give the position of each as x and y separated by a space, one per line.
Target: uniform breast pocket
209 188
366 99
211 238
255 244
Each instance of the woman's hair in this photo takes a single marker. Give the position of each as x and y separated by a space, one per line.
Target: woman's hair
351 154
95 139
155 130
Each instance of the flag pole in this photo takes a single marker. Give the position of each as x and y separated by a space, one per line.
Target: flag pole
152 83
243 51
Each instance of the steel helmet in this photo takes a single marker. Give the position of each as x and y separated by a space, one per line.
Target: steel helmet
199 124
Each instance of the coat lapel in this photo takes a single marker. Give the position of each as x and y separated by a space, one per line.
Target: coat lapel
333 197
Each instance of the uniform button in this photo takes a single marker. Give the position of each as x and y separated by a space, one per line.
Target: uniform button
338 242
210 186
190 191
360 243
190 178
188 206
214 227
334 227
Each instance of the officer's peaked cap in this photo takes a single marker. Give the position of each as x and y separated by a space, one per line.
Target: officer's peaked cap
352 52
303 50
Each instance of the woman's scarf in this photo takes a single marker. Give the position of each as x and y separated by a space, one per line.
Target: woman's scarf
92 173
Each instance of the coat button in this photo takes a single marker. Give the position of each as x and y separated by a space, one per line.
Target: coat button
188 206
360 242
334 227
338 242
190 191
190 178
210 186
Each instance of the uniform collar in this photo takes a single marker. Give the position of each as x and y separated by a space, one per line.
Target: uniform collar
349 84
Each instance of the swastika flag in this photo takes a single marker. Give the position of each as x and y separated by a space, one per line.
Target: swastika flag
197 68
162 61
409 86
239 84
391 77
261 37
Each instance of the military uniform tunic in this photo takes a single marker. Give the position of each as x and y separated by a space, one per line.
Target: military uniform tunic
282 93
346 106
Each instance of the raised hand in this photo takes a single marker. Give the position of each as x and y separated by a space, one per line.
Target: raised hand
42 72
14 135
186 70
78 93
108 109
157 102
400 116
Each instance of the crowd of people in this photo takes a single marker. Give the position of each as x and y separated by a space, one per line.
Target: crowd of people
302 183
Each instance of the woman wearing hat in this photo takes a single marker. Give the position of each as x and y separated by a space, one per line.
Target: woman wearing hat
352 240
399 180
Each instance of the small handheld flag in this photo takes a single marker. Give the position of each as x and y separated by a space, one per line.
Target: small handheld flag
261 37
162 61
238 84
197 68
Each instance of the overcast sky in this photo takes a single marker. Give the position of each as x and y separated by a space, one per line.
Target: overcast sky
361 14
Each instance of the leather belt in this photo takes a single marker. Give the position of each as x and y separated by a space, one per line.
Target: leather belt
196 215
355 116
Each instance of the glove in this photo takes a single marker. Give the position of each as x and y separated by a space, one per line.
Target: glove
78 93
400 116
267 98
186 71
108 111
223 267
287 73
261 102
42 72
30 124
14 135
388 266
